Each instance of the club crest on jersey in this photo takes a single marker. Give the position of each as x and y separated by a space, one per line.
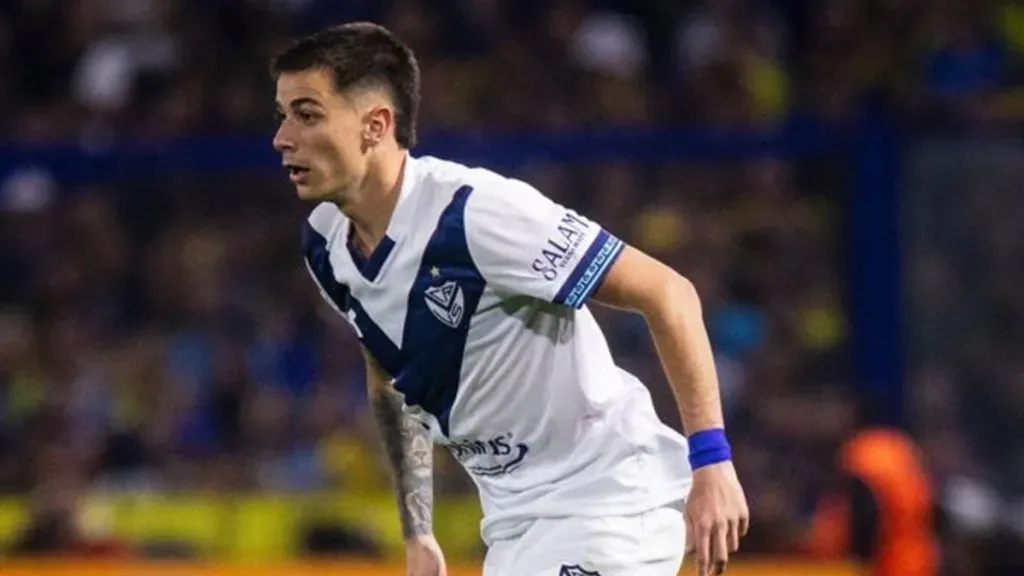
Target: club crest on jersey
575 570
445 302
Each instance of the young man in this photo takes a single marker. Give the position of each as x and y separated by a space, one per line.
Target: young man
468 292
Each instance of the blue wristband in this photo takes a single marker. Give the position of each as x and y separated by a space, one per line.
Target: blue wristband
708 447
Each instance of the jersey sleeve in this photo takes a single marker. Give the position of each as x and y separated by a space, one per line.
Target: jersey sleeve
524 243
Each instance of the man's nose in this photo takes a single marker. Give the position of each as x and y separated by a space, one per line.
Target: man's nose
283 140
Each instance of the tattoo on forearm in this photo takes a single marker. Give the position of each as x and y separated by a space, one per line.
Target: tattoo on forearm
411 456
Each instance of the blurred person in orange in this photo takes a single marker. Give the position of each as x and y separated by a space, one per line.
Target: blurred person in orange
881 510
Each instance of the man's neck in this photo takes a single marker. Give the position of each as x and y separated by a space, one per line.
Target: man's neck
371 209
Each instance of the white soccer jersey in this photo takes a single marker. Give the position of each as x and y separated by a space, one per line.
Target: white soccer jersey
474 303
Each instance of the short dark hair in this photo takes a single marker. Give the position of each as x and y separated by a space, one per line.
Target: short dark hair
362 53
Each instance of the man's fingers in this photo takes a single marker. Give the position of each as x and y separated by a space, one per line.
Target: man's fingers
691 537
744 524
719 547
734 535
703 543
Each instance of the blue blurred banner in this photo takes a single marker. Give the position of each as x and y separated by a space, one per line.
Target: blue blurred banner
869 150
80 163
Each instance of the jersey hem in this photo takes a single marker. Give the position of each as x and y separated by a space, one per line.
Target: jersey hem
511 526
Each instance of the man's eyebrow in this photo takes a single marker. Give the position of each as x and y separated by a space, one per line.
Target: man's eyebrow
303 101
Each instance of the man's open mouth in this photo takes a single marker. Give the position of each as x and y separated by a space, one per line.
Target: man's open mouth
296 171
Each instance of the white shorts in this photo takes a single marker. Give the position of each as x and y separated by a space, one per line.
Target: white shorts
648 544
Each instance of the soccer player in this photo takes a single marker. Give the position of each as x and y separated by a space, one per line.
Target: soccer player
469 293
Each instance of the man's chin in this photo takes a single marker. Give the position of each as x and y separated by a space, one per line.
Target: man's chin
306 192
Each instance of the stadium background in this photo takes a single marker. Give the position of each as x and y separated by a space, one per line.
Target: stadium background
840 178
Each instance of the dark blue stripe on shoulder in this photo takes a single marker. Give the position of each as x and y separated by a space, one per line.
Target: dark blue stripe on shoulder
314 249
442 301
384 351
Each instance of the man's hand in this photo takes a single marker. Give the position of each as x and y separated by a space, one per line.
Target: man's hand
423 557
716 517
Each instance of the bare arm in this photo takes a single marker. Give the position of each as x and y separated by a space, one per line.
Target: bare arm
674 315
409 450
716 508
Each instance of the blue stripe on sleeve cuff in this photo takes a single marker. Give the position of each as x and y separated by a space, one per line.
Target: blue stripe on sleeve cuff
590 271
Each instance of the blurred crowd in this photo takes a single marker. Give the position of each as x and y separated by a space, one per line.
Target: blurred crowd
161 333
